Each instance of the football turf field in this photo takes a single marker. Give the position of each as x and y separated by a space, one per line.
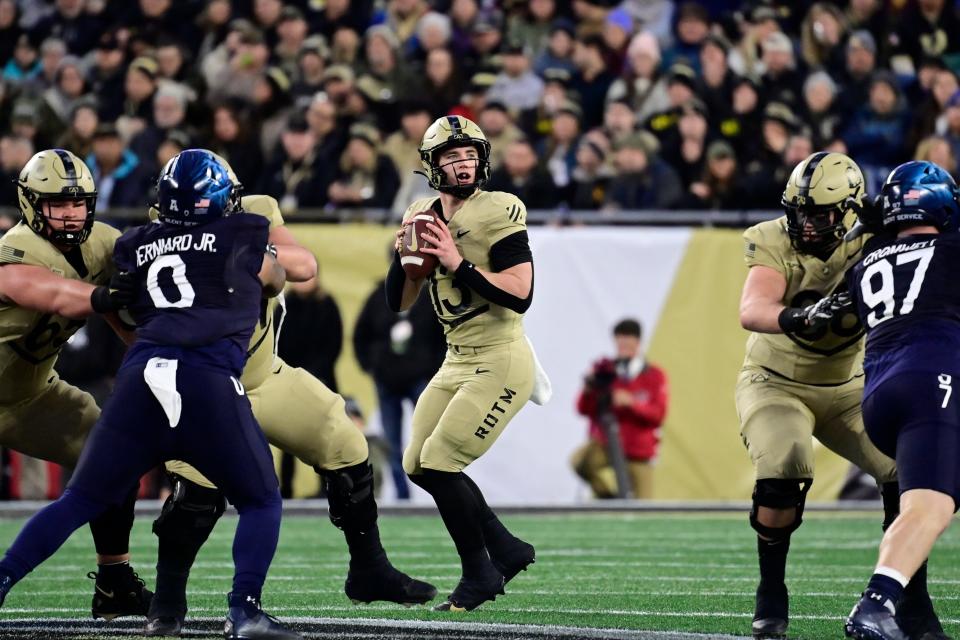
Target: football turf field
622 574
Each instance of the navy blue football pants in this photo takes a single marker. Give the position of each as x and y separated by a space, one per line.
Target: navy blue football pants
914 417
216 433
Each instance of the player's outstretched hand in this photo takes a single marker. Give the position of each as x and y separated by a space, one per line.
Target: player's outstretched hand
823 312
443 246
120 293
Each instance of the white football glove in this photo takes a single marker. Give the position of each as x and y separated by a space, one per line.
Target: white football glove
824 311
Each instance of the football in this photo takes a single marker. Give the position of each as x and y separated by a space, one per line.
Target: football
415 263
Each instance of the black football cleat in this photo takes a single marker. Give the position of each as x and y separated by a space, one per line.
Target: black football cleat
6 583
770 619
473 592
163 627
387 583
917 618
165 619
512 559
868 623
262 626
123 595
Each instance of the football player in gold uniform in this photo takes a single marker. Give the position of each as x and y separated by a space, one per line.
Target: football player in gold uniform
55 266
301 416
802 376
480 290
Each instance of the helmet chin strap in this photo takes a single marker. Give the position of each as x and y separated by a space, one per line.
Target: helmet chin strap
461 191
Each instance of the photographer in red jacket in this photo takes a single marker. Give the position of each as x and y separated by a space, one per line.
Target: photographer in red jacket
626 396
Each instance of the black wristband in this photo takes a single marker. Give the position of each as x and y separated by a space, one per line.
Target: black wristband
792 319
101 301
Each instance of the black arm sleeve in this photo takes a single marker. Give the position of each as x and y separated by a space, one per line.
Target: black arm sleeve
393 286
509 252
467 274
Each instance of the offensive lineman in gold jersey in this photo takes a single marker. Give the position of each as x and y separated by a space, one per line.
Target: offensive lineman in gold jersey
54 266
802 376
480 290
301 416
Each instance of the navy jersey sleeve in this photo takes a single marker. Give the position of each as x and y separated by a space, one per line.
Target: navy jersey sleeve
122 250
253 233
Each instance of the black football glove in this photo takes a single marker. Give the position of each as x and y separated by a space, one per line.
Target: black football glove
869 216
824 311
120 293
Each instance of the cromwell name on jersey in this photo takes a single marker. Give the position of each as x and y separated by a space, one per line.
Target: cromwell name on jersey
486 218
825 355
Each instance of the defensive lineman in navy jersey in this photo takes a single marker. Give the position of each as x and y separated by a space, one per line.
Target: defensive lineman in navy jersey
201 277
906 295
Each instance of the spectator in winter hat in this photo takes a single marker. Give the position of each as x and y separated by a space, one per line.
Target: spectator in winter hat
618 28
861 62
558 52
819 108
692 28
641 83
517 86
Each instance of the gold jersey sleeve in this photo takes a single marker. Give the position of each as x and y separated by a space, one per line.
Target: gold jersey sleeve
30 341
467 318
263 343
827 355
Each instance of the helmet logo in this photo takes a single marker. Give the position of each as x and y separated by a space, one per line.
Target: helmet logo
173 205
912 197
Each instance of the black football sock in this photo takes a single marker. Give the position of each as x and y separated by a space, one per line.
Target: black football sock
773 562
494 532
882 593
111 529
461 515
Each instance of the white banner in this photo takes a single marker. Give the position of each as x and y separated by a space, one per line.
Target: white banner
586 280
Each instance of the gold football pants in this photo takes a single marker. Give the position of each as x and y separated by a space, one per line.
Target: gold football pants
779 419
51 425
467 405
301 416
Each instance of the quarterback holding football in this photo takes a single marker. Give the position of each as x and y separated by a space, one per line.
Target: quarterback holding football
470 247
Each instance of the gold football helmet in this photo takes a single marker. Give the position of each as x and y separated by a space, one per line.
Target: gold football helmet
454 131
821 198
55 174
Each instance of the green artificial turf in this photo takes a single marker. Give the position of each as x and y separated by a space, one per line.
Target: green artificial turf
683 572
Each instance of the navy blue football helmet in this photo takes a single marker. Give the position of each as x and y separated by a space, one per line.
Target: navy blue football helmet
194 188
920 193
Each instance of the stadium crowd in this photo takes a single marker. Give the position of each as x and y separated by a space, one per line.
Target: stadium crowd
589 104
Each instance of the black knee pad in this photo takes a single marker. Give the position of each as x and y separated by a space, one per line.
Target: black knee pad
776 493
350 496
190 512
890 493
